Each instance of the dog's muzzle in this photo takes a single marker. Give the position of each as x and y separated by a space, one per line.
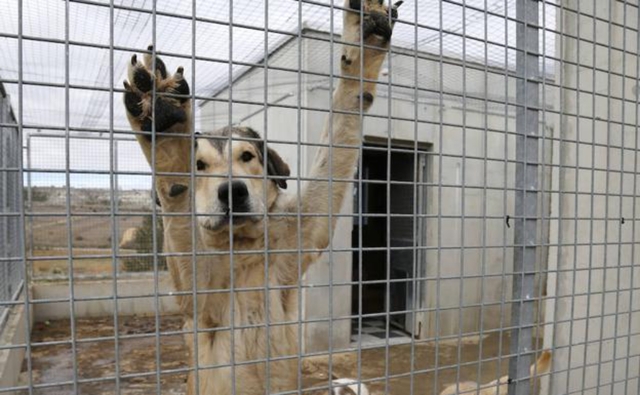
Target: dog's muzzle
234 197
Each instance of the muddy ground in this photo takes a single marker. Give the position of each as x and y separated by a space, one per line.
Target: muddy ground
95 358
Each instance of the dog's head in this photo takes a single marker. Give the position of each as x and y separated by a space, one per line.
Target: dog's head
230 186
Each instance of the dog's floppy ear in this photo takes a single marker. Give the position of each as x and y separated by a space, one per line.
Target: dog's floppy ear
277 167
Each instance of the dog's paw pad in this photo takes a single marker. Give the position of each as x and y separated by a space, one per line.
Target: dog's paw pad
132 101
377 18
169 106
139 76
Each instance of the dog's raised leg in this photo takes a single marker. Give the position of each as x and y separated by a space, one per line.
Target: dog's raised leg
167 152
367 29
368 26
170 116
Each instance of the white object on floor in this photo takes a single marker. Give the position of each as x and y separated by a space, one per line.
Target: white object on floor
353 385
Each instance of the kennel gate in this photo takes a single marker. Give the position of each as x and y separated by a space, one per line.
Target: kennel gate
529 111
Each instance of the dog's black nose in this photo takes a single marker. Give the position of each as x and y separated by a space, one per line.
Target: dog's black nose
239 193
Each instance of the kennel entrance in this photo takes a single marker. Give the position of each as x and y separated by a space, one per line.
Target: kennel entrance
385 238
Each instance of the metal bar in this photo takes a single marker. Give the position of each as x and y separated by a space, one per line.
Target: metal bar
29 198
629 388
154 212
113 204
232 255
68 213
526 199
5 206
416 229
22 222
461 190
607 201
330 158
299 123
13 298
265 109
439 241
618 246
193 292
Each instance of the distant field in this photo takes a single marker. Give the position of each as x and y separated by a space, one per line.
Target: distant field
91 223
89 231
86 231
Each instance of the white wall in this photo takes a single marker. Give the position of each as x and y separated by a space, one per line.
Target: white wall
470 134
135 296
593 319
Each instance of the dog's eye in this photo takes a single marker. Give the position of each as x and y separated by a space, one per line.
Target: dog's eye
200 165
247 156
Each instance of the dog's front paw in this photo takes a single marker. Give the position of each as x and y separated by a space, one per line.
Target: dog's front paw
372 20
171 111
368 25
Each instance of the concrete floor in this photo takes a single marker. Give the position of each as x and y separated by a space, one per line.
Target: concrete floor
95 356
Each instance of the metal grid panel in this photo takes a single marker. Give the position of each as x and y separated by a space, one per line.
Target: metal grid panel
11 273
492 216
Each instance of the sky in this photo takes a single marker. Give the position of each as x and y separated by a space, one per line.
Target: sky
67 43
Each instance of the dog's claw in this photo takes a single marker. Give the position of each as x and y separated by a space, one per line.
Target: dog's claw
398 3
134 60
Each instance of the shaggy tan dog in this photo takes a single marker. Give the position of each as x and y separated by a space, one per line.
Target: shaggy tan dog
500 386
235 206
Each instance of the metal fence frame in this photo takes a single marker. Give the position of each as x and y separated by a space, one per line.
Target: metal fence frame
529 192
11 236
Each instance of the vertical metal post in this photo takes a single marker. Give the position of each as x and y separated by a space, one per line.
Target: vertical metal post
5 207
30 203
116 169
526 195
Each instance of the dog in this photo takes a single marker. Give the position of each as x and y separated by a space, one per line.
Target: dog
500 386
234 215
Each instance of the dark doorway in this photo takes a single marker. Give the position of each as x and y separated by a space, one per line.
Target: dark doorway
390 233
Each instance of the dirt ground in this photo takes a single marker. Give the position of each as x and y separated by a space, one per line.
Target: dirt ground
95 356
91 235
57 262
88 231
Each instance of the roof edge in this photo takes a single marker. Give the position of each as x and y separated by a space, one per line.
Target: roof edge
275 50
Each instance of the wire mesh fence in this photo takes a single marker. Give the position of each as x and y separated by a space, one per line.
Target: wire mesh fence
10 204
432 216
